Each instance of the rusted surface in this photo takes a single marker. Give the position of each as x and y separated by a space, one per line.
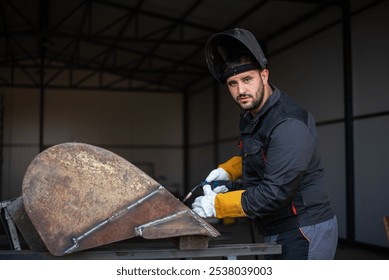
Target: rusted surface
23 223
79 196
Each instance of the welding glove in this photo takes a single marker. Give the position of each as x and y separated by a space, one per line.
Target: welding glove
220 189
229 205
220 205
229 170
218 174
204 205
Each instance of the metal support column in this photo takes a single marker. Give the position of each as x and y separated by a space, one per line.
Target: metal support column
44 22
216 121
349 126
41 109
186 162
1 142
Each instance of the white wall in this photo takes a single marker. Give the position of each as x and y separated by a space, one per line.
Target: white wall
200 136
144 128
371 96
371 179
21 136
370 34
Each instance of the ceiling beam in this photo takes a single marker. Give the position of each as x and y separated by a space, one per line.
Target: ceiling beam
157 15
315 2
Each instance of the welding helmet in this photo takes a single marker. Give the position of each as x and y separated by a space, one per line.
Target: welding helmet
221 46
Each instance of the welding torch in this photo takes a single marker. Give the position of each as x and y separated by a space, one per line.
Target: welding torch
213 185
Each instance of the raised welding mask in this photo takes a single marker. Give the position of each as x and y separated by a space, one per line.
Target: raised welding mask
226 44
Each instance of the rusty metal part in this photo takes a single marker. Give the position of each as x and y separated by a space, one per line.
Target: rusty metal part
80 196
23 223
10 225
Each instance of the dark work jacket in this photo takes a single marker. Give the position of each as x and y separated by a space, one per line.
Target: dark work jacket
282 171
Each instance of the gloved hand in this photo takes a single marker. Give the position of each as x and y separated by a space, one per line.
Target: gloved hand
218 174
204 205
220 189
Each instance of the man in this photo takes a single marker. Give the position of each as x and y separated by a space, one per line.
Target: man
282 185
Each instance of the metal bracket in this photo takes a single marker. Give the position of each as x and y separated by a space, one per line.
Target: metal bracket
76 240
11 228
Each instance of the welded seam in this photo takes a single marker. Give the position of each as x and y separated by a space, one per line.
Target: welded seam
210 229
212 232
76 240
139 229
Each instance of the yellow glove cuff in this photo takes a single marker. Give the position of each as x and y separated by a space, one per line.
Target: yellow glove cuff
233 167
229 204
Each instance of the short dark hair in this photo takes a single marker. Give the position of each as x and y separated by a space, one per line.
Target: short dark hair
239 63
238 60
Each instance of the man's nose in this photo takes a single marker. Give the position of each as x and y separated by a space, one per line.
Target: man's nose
241 88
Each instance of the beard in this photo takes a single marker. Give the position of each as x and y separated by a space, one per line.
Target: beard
255 103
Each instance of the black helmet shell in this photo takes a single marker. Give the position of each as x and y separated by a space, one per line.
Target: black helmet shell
221 46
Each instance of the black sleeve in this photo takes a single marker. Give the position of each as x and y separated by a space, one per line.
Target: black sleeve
288 155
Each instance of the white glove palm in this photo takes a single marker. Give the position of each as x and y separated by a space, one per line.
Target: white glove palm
204 205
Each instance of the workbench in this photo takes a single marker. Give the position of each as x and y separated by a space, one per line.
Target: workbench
225 251
138 249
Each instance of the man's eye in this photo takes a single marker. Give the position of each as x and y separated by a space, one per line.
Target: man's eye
247 79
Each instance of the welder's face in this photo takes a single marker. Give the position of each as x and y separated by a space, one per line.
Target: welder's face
247 89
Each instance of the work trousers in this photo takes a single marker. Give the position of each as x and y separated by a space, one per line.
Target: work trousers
315 242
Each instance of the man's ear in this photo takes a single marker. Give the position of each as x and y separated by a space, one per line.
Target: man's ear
264 75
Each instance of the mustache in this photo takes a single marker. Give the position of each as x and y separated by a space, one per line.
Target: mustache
244 95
